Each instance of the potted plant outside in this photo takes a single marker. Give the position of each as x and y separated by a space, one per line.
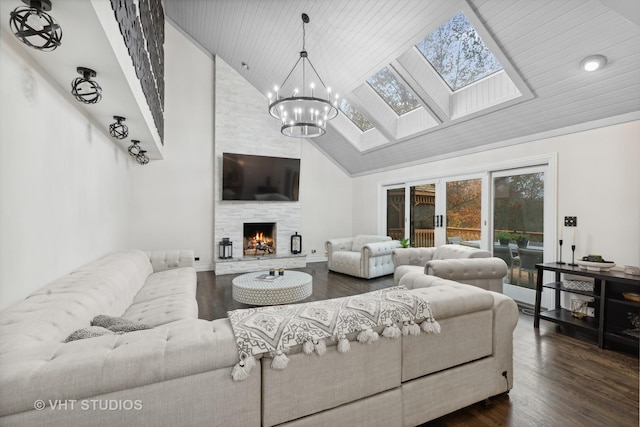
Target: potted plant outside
522 240
503 237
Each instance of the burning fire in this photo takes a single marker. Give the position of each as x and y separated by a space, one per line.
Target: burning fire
260 241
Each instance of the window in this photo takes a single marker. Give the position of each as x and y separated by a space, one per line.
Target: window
458 54
354 115
393 92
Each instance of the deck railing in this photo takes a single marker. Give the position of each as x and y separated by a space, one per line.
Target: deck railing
424 238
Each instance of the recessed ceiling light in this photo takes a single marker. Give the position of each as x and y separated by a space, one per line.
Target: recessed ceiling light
245 66
593 62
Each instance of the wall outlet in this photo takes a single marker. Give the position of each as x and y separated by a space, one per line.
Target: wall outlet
197 258
570 221
313 251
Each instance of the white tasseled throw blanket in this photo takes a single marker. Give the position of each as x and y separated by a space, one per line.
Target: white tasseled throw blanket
274 329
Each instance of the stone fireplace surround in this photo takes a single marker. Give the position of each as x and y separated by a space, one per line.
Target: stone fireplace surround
230 219
235 101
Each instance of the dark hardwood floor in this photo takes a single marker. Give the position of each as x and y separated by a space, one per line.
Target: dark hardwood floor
558 380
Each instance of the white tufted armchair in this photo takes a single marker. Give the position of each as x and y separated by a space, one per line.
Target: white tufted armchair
365 256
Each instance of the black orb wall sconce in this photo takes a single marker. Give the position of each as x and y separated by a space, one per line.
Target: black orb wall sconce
134 149
84 89
142 158
34 27
138 153
118 130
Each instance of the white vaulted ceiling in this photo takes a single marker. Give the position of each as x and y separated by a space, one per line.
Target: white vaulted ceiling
540 43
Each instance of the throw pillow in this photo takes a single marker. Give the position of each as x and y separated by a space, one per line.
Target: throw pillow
90 332
118 324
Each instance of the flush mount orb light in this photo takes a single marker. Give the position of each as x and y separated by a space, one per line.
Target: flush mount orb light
118 129
84 89
303 114
34 27
142 158
593 62
134 149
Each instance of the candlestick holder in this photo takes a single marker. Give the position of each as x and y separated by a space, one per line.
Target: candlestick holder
573 256
559 262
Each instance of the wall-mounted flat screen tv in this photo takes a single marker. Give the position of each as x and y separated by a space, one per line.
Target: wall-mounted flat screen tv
261 178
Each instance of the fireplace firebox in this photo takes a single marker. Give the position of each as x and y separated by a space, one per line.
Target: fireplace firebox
259 238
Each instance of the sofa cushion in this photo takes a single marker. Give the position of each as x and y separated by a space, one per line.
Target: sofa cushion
412 256
90 332
448 298
362 239
401 270
459 251
179 281
486 273
165 260
166 297
161 311
346 262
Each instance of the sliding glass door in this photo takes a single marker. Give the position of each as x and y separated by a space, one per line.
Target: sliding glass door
464 211
395 211
506 210
422 210
518 227
434 213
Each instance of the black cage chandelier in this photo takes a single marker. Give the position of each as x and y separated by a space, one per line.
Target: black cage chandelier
302 114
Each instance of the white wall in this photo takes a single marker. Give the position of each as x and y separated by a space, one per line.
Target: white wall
172 203
63 184
598 181
326 196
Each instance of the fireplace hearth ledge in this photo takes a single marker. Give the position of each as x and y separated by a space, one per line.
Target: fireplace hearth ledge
249 264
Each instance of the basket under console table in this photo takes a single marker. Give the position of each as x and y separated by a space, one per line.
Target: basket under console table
611 321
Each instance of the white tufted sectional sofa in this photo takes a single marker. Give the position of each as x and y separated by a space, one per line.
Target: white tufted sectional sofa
180 371
365 256
181 364
460 263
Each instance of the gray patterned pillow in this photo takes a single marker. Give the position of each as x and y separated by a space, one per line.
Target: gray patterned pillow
90 332
118 324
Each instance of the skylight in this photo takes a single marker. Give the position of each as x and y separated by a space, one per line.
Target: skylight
354 115
458 54
393 92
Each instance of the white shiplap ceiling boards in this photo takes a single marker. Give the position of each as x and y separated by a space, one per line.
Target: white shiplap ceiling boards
542 43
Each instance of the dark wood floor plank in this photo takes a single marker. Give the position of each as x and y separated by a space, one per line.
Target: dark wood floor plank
560 380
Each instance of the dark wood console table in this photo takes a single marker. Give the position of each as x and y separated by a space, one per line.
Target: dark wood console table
611 323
